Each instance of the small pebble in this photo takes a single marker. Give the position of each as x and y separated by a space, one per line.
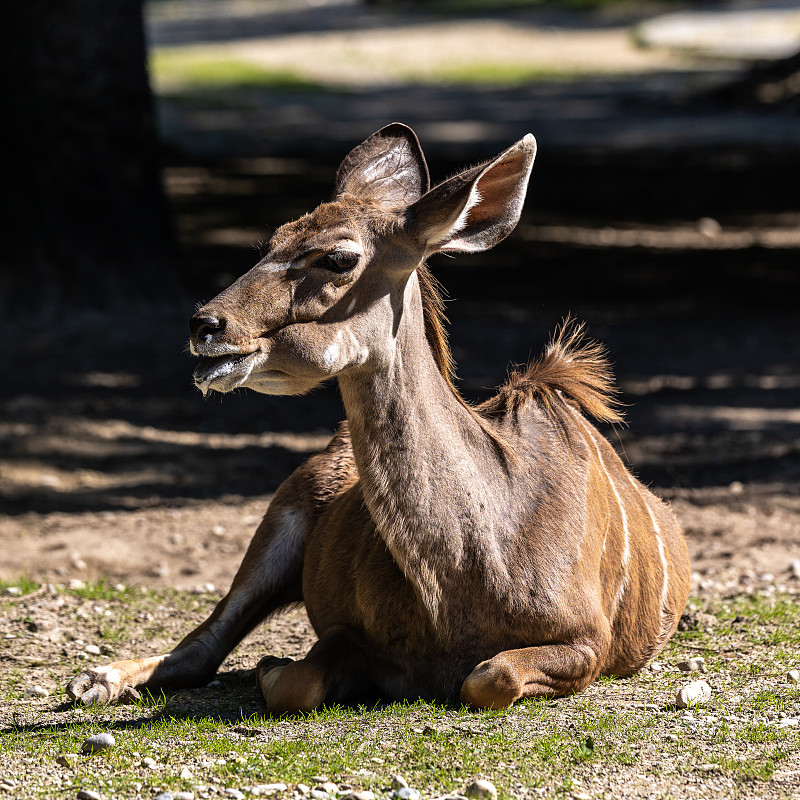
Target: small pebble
303 789
319 779
364 795
88 794
709 227
697 664
165 796
7 783
149 763
406 793
318 794
655 666
399 782
183 796
789 722
331 788
481 789
696 693
35 691
671 737
98 742
235 794
92 649
68 760
268 788
794 568
186 774
793 676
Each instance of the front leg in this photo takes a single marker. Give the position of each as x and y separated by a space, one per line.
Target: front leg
544 671
268 579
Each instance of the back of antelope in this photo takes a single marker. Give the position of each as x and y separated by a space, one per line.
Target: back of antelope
484 553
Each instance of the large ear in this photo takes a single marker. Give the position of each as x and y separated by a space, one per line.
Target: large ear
389 168
478 208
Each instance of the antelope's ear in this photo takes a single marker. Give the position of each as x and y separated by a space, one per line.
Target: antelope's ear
478 208
388 168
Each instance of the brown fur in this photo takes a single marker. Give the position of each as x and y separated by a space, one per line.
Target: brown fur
487 553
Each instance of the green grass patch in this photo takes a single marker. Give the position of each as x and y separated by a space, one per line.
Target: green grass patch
195 71
16 588
458 7
624 728
489 73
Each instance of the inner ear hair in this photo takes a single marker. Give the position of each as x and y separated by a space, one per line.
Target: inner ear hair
388 168
479 207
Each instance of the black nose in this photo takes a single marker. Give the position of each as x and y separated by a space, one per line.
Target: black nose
206 329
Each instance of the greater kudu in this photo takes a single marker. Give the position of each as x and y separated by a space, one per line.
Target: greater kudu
484 553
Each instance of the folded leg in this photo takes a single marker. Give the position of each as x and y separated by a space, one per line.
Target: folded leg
543 671
336 670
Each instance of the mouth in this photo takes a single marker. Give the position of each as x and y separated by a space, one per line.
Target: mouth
225 373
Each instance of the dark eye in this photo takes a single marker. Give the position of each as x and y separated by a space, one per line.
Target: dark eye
338 261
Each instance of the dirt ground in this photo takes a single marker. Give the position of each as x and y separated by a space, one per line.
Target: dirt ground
112 465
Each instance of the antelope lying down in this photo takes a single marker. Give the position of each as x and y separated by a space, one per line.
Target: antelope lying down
441 550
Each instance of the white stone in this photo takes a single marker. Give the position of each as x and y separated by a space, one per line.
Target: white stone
481 789
696 693
267 789
793 676
186 774
697 664
655 666
399 782
98 742
92 649
35 691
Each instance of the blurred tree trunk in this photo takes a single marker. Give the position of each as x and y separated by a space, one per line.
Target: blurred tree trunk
86 220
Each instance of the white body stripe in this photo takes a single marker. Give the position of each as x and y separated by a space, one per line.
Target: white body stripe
666 621
626 548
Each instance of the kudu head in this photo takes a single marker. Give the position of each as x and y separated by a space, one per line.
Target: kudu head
328 294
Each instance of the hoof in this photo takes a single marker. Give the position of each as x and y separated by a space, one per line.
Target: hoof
99 687
267 673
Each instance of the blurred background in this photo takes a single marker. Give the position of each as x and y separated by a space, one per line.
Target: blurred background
155 145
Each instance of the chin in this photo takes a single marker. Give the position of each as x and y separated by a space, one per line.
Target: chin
279 383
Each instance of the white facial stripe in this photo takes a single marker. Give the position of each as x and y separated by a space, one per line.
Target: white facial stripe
279 267
348 246
331 355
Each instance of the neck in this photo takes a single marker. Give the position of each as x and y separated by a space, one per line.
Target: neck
430 475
